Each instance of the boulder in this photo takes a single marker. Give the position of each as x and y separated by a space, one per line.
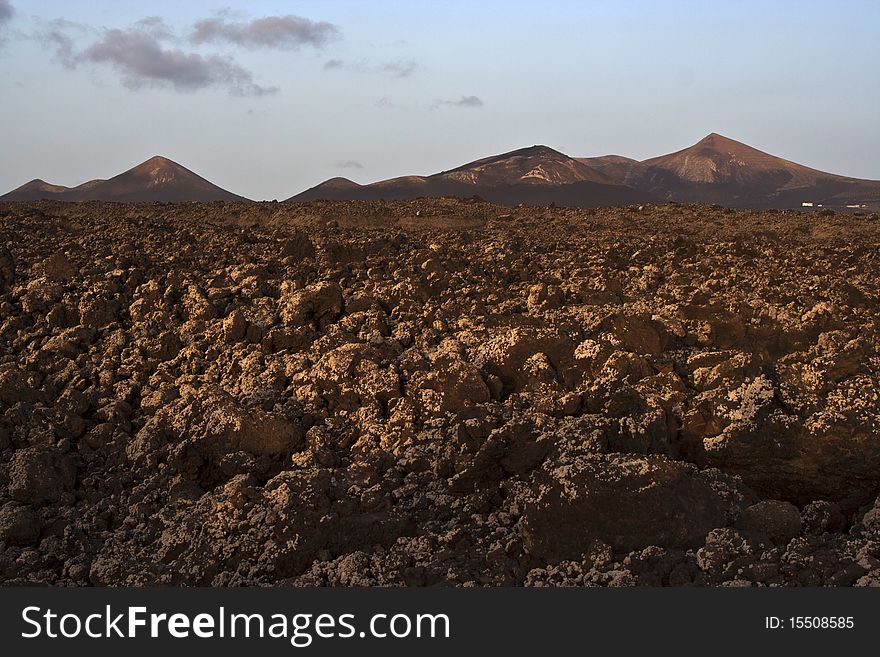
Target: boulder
779 520
19 525
41 475
627 502
211 424
58 268
320 304
234 326
822 516
298 246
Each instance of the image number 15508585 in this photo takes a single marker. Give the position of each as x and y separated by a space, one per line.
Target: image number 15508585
809 623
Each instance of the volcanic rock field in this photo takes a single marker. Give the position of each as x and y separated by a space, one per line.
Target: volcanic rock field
437 392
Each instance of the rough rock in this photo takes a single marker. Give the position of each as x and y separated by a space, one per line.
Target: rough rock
41 475
19 525
319 304
628 503
58 267
779 520
437 392
7 269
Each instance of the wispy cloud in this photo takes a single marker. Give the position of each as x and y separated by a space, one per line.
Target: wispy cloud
288 32
468 101
156 27
401 68
384 102
398 68
348 164
58 36
464 102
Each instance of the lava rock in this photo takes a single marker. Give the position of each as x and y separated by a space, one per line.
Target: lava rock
779 520
19 525
41 475
629 503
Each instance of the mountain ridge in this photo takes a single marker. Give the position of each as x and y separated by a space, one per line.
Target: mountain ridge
715 169
535 175
718 169
155 179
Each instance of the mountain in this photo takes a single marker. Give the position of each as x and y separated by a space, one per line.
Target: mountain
536 175
615 167
88 185
157 179
537 165
340 183
35 190
718 169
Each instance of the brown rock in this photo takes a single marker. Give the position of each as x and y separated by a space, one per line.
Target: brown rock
779 520
16 386
219 426
40 475
19 525
298 246
871 522
821 516
234 326
545 297
627 502
58 268
196 305
437 397
7 269
320 304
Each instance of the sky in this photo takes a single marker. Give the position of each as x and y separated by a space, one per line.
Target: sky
267 98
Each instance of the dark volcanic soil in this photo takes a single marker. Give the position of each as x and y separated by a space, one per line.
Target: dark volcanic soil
437 392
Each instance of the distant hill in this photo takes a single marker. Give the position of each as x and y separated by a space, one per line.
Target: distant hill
35 190
157 179
536 165
536 175
615 167
718 169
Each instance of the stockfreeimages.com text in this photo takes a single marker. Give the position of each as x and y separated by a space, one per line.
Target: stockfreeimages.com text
300 629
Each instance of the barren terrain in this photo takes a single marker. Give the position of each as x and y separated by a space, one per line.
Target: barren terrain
437 392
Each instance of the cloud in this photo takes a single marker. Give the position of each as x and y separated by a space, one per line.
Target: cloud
155 27
401 68
151 54
6 14
288 32
469 101
384 102
55 34
348 164
144 59
464 101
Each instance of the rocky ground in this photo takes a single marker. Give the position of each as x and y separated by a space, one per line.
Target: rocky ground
437 392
